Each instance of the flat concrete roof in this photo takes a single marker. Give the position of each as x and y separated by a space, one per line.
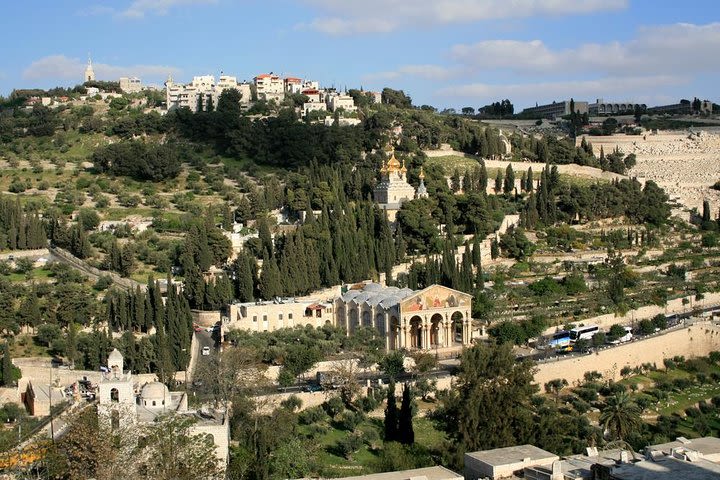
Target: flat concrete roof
429 473
667 468
510 455
703 445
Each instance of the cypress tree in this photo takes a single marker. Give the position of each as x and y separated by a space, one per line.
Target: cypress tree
406 434
7 370
269 279
244 280
483 181
498 181
494 249
529 183
391 416
509 182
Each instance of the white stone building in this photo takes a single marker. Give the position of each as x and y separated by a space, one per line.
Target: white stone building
282 313
122 401
393 188
270 87
336 101
202 89
130 84
433 318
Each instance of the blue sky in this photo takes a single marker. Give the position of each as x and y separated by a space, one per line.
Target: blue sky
441 52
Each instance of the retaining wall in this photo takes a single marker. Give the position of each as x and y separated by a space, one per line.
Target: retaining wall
696 340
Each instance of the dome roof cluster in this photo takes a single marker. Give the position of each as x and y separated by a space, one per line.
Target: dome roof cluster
374 294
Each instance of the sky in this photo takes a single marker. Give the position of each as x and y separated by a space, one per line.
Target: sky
445 53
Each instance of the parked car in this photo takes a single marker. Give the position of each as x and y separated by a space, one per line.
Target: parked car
206 351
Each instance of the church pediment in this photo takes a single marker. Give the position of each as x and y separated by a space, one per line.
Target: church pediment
436 297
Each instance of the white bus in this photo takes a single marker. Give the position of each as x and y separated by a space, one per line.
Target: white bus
583 333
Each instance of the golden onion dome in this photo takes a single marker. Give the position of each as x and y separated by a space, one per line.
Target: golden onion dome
393 165
422 174
404 168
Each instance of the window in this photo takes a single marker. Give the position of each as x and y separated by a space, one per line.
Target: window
114 395
280 316
153 403
264 318
254 318
289 316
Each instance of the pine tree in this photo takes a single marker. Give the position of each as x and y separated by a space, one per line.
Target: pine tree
406 434
494 249
391 416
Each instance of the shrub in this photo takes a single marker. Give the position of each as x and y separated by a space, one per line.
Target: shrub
292 403
350 420
692 412
350 444
312 416
333 406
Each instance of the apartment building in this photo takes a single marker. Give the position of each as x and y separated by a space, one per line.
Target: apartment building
130 84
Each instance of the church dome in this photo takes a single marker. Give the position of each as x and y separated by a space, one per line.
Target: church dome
393 164
154 394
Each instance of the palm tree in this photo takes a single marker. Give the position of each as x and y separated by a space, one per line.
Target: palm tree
621 416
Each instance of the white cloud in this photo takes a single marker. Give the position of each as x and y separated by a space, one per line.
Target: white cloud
548 91
430 72
655 50
339 17
138 8
62 67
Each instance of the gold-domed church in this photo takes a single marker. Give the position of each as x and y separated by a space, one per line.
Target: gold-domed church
394 189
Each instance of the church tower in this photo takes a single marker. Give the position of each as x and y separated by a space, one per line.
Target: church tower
116 395
393 188
89 72
422 190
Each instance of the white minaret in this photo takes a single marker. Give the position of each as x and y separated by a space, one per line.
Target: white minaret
89 72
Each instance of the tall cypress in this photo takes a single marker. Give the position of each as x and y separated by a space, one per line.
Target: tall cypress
7 377
406 433
391 416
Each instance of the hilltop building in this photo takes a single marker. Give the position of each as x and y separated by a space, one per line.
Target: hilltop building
130 84
393 188
123 402
89 72
554 109
601 107
203 92
432 318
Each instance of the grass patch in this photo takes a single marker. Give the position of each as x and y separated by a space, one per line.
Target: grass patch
678 401
40 274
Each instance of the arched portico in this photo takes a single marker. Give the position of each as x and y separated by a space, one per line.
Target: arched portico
416 329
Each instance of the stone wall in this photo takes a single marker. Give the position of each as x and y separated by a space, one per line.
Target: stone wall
696 340
206 318
646 312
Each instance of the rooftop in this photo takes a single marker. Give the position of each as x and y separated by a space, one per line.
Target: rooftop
704 445
510 455
667 468
427 473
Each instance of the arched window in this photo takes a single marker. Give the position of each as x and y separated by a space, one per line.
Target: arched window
153 403
114 420
114 395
